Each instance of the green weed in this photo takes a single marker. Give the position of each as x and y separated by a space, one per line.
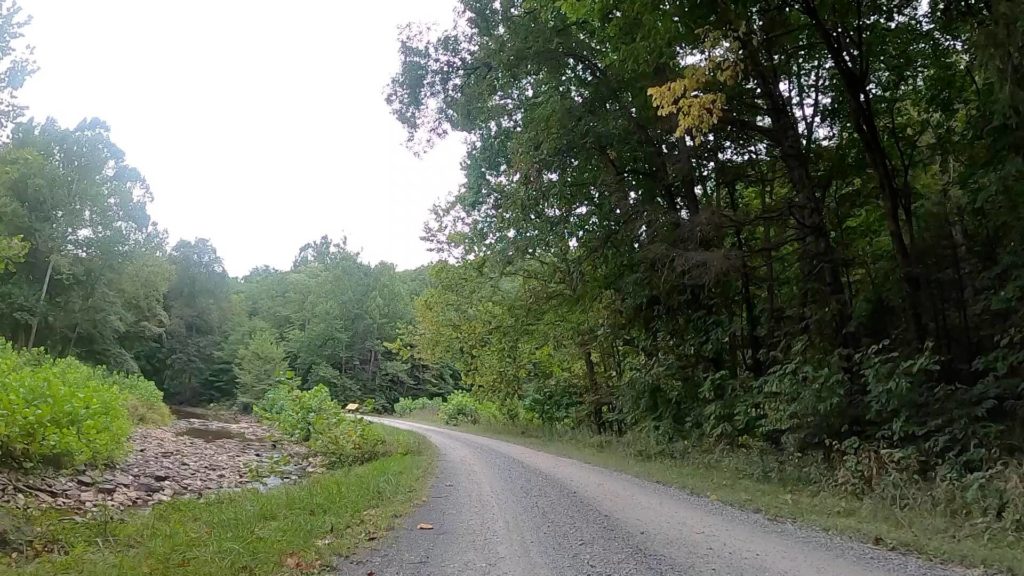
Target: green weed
289 529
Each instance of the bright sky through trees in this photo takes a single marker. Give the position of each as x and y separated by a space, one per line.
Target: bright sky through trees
259 125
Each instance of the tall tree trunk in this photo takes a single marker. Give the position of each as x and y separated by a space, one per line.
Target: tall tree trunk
959 254
769 257
42 299
597 402
749 310
820 266
683 170
894 197
74 336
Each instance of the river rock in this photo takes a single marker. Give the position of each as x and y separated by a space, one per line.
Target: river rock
147 487
188 458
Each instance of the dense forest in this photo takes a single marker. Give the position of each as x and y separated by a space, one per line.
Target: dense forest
95 279
86 273
768 251
793 223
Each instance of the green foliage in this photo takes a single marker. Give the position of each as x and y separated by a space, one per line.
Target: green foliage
652 239
17 65
145 401
347 441
87 283
312 416
12 250
551 403
85 273
459 408
257 367
409 406
197 303
297 413
340 323
60 413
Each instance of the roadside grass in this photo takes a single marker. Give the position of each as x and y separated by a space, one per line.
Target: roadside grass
291 529
745 480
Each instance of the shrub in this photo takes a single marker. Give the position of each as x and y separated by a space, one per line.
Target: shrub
347 441
296 412
312 416
59 413
407 406
550 402
459 408
368 406
145 401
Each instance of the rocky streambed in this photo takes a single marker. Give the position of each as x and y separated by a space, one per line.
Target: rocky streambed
198 453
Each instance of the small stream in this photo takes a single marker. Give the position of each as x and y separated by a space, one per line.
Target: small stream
215 426
212 434
197 413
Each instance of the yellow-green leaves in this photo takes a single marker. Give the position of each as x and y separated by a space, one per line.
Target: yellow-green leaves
696 98
12 250
696 113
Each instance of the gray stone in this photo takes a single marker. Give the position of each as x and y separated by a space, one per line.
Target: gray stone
147 488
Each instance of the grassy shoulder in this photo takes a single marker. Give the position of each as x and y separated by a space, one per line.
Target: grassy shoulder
744 480
291 529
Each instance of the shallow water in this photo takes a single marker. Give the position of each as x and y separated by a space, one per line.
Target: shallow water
211 434
196 413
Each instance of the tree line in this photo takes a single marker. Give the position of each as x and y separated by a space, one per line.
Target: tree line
96 279
789 222
794 222
86 273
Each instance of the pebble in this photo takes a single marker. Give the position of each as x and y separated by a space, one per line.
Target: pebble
187 458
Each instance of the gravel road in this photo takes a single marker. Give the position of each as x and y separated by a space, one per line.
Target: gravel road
501 509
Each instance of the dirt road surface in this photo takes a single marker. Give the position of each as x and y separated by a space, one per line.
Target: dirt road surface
501 509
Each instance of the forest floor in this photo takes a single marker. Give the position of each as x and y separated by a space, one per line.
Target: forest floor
736 480
293 528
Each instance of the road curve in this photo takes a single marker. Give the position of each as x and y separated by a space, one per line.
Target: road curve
501 509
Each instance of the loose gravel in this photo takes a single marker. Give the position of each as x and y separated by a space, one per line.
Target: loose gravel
501 509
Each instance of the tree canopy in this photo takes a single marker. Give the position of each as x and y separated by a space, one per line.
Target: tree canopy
795 222
792 220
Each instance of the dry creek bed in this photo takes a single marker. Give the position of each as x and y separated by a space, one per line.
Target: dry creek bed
194 455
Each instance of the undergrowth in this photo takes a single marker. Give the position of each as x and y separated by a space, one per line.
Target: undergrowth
311 416
62 413
296 528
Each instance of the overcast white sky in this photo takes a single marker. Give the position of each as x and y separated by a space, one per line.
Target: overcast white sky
260 125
